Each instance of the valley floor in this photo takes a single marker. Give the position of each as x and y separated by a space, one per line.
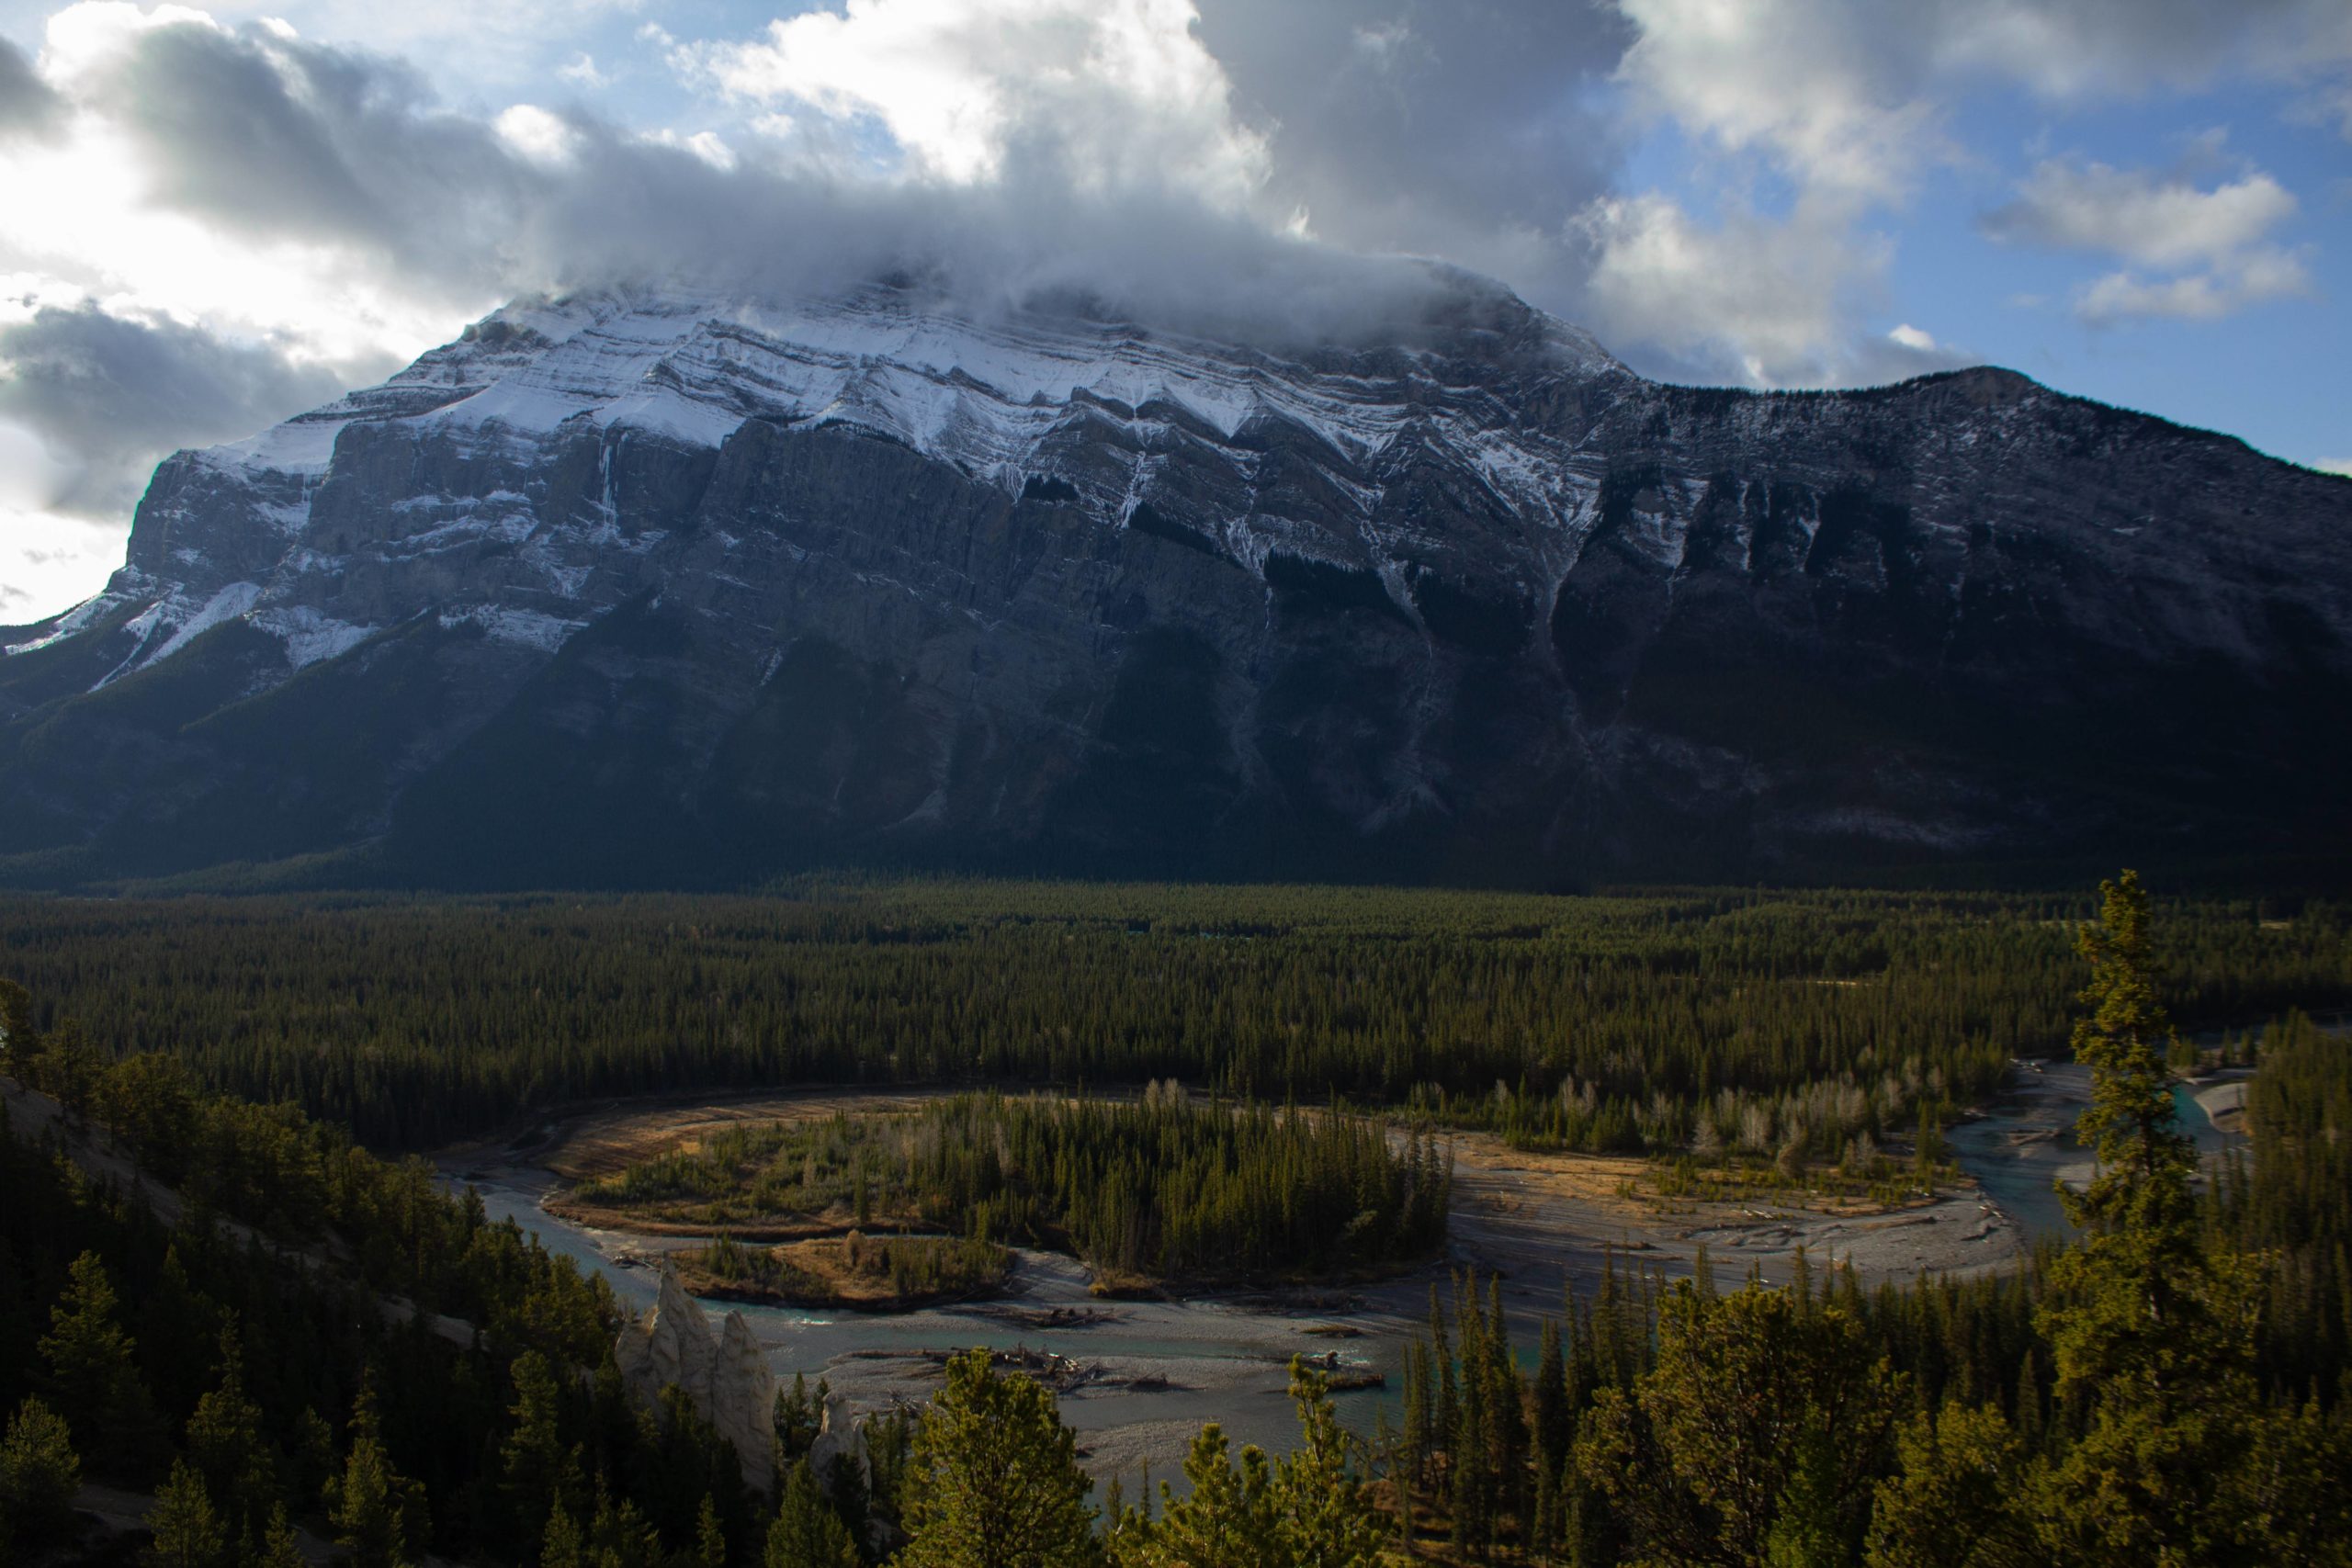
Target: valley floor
1138 1378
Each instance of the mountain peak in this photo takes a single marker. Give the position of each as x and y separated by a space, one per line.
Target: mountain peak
883 574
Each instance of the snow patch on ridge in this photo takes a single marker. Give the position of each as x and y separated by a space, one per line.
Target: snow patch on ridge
304 445
226 606
311 637
518 629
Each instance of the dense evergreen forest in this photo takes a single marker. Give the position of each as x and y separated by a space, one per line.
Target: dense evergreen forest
2173 1389
1616 1023
295 1339
1163 1188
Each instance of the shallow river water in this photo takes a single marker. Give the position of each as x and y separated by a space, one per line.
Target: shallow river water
1226 1360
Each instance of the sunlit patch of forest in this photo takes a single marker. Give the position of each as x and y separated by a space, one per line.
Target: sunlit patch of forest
871 1273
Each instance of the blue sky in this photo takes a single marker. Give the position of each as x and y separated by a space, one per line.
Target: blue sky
213 216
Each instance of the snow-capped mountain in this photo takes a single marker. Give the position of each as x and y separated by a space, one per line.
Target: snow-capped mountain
656 585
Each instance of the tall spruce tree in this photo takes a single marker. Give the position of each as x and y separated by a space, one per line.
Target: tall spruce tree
369 1502
38 1474
807 1533
88 1358
996 1481
533 1462
226 1446
1323 1518
2146 1322
20 1042
1225 1515
278 1547
187 1529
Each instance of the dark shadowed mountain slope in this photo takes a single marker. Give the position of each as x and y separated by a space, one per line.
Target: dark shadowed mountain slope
657 588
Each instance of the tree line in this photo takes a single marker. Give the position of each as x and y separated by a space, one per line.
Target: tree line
1642 1020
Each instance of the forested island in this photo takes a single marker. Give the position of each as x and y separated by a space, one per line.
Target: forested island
1161 1191
214 1299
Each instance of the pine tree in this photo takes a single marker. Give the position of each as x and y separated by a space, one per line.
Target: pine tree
1507 1411
88 1359
710 1538
619 1536
2145 1162
1959 1498
1225 1517
368 1501
807 1532
563 1545
1757 1431
278 1547
1418 1398
2141 1320
996 1481
1324 1519
39 1474
532 1461
226 1447
1551 1431
71 1066
1470 1474
1446 1414
188 1531
19 1042
797 1420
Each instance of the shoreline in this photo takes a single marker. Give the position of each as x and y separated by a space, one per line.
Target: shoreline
1145 1372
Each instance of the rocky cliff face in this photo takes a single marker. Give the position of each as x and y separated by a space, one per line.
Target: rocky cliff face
722 1370
656 588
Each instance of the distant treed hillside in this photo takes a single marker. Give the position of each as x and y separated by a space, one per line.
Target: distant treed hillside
417 1023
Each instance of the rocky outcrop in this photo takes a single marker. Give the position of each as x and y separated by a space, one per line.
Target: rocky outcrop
721 1370
654 588
840 1441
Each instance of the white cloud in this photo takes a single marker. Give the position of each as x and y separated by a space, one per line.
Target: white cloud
708 145
2253 279
1383 43
1852 94
108 391
582 69
48 559
2214 241
205 227
2334 466
2153 220
490 49
1913 338
541 137
1111 93
1760 300
49 562
2332 103
1849 101
1822 89
2073 49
